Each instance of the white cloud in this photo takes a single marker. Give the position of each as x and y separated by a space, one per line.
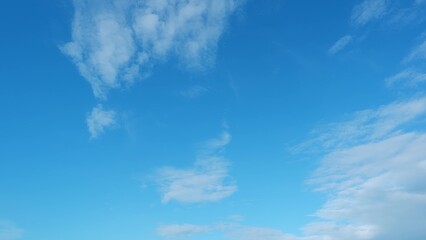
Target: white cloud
181 231
408 77
207 181
376 181
373 175
369 125
9 231
115 42
99 119
377 184
340 44
369 10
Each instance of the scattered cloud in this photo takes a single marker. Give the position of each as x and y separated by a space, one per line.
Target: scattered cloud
8 231
369 10
408 77
340 44
313 231
99 120
116 42
207 181
194 92
181 231
373 174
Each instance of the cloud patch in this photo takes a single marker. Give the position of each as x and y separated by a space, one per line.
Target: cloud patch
115 42
207 181
340 44
99 120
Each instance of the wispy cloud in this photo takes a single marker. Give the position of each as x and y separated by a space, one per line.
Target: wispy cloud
207 181
99 120
369 10
373 174
194 92
368 125
116 42
8 231
254 233
182 231
418 53
340 44
409 77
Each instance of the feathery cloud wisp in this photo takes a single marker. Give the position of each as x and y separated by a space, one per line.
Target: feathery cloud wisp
369 10
194 92
207 181
408 77
116 42
418 53
340 44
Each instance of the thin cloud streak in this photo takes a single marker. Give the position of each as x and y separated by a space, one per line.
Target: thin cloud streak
340 44
418 53
409 77
369 10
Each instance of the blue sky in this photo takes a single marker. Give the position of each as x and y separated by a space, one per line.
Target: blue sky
213 119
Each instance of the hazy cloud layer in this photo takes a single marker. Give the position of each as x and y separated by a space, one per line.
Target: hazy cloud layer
207 181
114 42
8 231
